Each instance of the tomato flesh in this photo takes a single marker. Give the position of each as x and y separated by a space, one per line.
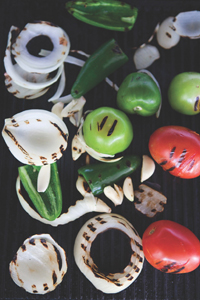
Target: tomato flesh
177 150
171 247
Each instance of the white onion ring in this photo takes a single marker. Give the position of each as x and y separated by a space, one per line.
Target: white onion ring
45 64
110 283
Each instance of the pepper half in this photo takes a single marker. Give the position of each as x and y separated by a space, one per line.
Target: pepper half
100 175
110 14
48 203
104 61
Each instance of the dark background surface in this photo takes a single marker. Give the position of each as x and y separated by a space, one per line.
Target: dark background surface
183 195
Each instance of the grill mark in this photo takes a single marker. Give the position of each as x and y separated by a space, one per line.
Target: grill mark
196 104
112 128
45 285
44 243
171 169
91 227
168 35
191 165
164 162
23 247
15 141
166 268
64 135
116 49
54 277
172 152
32 242
86 236
100 126
177 271
181 158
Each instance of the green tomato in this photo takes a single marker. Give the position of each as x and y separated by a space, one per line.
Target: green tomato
139 94
184 93
107 130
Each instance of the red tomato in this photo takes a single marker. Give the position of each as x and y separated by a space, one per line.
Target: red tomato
171 247
177 150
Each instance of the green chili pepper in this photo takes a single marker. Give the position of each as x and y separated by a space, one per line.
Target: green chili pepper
102 174
139 94
98 66
48 203
108 14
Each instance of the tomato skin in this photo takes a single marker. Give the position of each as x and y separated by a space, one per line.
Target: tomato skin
171 247
177 150
184 93
107 130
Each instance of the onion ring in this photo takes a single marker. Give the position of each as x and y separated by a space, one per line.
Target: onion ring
46 64
112 282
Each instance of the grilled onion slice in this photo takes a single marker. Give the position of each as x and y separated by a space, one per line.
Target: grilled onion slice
112 282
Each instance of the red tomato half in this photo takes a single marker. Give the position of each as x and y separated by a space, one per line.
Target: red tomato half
177 150
171 247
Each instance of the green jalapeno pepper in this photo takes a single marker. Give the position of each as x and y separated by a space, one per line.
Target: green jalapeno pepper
48 203
107 130
100 175
139 94
108 14
97 67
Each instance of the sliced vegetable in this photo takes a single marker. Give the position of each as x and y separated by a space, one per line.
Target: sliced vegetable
100 175
30 76
145 55
166 35
111 282
128 189
115 194
104 61
48 203
36 136
111 14
171 247
81 207
187 24
149 201
36 267
107 130
148 167
139 94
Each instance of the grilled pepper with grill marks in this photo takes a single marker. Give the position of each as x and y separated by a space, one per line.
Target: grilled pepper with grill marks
109 14
48 203
104 61
101 175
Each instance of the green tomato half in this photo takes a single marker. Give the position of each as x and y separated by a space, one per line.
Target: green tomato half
139 94
107 130
184 93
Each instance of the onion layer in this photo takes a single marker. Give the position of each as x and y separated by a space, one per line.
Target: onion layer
112 282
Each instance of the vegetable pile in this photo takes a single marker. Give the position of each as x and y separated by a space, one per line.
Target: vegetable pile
39 138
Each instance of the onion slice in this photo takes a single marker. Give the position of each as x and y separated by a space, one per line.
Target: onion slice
81 207
149 201
46 64
187 24
166 35
145 56
111 282
36 267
